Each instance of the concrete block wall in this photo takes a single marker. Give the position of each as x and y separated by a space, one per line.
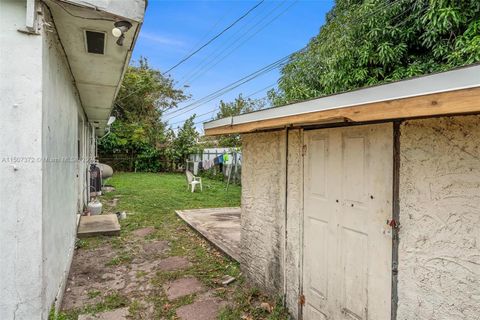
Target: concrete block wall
439 251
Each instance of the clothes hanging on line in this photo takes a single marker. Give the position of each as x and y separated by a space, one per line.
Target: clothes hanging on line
207 164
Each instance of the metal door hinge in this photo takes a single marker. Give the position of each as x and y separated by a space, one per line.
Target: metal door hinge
301 300
395 267
304 150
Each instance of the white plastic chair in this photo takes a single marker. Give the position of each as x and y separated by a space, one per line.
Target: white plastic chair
193 181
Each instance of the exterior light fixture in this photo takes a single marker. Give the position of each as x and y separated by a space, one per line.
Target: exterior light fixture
121 27
111 120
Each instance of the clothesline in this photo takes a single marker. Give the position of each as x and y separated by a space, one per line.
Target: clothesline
209 163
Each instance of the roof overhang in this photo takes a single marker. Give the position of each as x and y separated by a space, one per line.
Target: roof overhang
97 76
446 93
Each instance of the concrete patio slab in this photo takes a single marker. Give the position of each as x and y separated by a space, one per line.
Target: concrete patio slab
220 226
104 224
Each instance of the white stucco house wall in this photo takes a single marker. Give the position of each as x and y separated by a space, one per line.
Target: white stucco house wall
60 70
366 204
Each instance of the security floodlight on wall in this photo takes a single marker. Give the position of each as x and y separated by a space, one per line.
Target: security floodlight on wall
111 120
121 27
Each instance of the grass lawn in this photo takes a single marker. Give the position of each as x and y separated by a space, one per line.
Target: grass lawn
151 200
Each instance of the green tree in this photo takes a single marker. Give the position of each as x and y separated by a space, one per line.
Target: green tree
236 107
366 42
185 142
139 131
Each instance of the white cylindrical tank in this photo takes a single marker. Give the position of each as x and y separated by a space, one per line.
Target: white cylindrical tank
107 171
95 207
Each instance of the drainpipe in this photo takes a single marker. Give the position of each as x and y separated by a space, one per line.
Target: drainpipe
285 221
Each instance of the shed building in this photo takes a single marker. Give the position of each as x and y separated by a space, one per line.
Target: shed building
366 204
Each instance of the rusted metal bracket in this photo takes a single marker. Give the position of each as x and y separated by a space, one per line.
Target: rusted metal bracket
393 223
301 300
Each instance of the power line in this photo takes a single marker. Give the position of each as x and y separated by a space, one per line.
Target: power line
218 108
209 31
214 63
231 86
257 73
246 22
209 59
258 91
215 37
235 84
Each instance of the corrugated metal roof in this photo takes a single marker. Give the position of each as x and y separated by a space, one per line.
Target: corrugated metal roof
381 98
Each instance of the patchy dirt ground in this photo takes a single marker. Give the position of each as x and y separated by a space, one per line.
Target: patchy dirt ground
158 268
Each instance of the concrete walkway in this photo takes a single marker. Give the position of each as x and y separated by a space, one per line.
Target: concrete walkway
220 226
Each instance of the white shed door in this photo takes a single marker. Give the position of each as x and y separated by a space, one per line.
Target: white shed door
347 241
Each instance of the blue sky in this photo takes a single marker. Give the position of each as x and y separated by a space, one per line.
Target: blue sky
173 29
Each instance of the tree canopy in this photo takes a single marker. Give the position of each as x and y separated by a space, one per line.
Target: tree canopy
186 141
139 132
366 42
236 107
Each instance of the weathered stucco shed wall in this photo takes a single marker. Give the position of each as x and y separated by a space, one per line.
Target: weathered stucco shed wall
294 220
439 253
263 181
263 212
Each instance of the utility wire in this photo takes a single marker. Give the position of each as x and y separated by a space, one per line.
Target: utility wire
247 22
249 77
358 18
257 73
221 58
196 51
258 91
230 87
209 31
215 37
218 108
252 76
229 43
